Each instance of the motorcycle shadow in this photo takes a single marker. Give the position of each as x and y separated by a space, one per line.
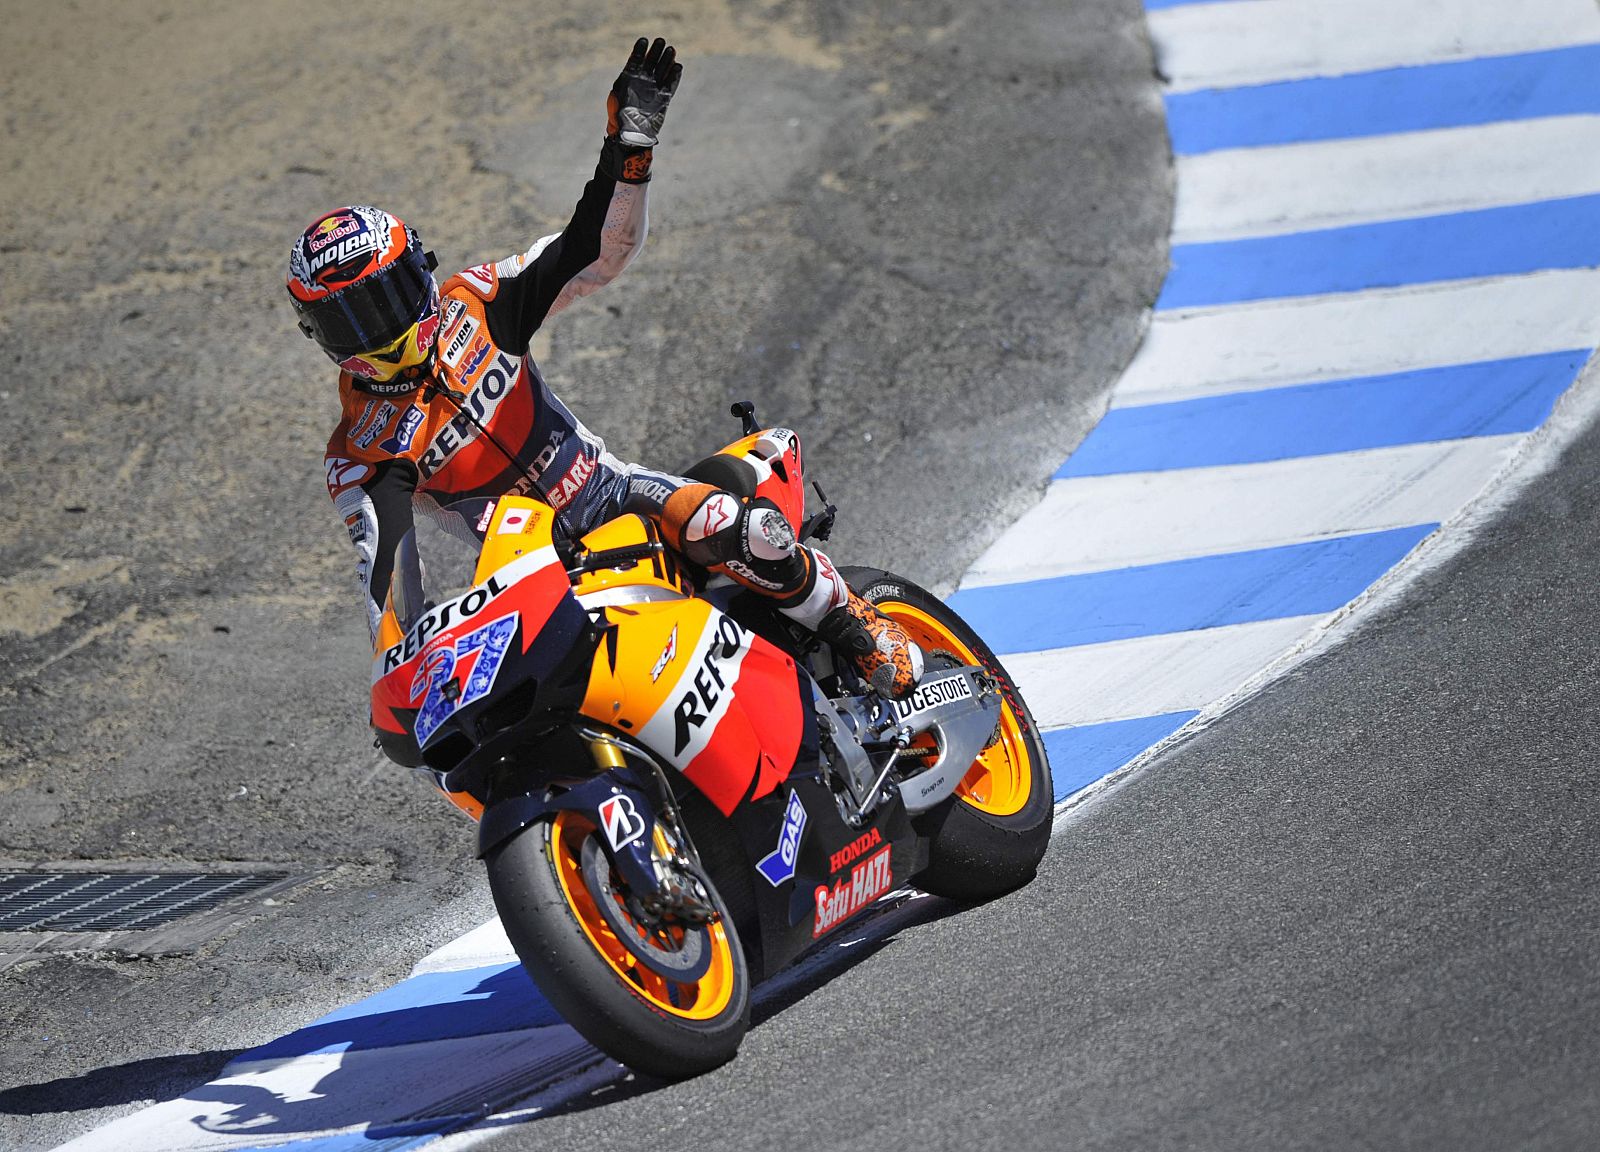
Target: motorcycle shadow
433 1055
896 913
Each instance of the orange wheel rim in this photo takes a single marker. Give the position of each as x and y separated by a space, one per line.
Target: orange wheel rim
702 999
1001 778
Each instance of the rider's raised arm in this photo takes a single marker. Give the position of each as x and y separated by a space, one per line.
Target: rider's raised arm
606 232
608 226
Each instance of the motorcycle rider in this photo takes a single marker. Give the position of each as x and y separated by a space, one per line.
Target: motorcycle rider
442 401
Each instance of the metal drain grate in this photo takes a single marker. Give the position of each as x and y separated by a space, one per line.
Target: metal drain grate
107 902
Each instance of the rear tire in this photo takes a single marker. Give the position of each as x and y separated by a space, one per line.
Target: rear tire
989 837
595 979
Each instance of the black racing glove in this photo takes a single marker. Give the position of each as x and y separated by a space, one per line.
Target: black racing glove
638 101
636 108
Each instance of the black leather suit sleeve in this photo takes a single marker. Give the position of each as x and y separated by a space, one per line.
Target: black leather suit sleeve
390 491
606 229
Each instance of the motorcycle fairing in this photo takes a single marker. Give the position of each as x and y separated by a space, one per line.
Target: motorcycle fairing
632 858
527 600
705 694
789 914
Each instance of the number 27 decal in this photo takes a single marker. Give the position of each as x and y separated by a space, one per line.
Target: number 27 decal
471 663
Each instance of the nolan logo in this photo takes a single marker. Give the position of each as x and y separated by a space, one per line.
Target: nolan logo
458 343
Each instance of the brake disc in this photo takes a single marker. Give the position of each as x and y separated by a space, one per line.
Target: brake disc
674 950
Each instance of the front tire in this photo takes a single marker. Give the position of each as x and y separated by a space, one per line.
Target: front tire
988 838
657 1009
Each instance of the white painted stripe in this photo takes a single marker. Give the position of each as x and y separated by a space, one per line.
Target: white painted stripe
1258 41
1107 522
1242 348
1101 522
1301 187
483 946
1150 675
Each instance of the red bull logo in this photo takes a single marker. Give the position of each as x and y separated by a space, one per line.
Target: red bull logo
332 229
427 328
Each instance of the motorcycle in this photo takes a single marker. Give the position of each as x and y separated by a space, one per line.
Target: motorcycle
678 791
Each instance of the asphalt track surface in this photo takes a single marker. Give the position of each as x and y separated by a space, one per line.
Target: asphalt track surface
916 231
1358 911
1361 911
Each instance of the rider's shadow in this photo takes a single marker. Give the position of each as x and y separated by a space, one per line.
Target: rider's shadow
380 1062
390 1061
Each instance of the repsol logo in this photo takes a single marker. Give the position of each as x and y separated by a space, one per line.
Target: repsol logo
481 402
706 686
436 621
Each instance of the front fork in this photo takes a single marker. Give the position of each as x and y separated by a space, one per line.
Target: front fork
637 824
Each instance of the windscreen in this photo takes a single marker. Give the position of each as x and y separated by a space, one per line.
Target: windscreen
435 560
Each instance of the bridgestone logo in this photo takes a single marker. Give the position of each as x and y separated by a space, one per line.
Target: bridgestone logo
933 694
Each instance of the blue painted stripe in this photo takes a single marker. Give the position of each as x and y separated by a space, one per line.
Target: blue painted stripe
377 1138
1183 595
433 1006
1490 398
1560 82
1157 5
1507 241
1080 756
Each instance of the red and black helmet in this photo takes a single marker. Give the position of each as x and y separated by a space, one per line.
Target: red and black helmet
363 289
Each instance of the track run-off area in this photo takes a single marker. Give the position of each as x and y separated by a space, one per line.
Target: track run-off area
1385 276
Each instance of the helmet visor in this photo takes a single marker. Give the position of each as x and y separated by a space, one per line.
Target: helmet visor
375 311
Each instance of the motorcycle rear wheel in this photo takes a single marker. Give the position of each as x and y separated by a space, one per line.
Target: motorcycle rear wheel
618 992
989 837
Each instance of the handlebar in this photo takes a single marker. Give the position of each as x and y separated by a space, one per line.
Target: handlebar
613 558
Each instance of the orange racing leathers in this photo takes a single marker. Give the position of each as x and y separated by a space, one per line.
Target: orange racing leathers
482 422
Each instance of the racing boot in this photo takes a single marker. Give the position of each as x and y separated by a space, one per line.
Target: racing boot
879 648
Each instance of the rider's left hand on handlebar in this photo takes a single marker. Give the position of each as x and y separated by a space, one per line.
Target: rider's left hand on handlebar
637 105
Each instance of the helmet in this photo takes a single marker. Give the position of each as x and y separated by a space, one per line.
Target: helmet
363 289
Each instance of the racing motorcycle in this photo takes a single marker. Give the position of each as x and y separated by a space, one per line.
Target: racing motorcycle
677 790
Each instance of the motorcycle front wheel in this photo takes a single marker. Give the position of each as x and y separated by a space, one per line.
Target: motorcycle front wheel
671 1002
989 837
